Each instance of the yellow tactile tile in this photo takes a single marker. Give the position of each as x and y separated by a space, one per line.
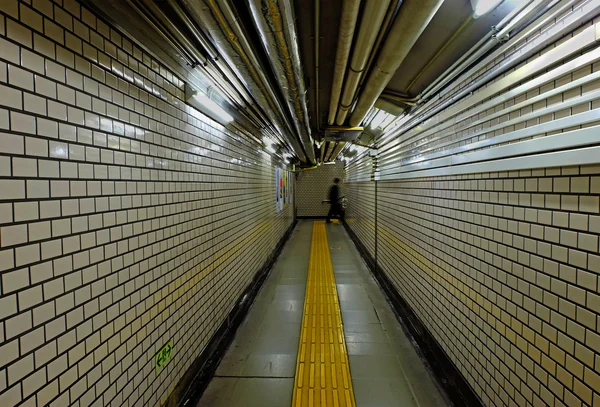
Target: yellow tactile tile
322 371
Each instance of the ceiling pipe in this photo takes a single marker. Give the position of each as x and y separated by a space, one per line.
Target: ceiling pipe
187 56
230 88
523 12
168 26
393 9
414 17
317 57
348 20
223 13
336 151
245 100
175 31
275 23
322 150
537 14
208 47
330 147
371 21
226 34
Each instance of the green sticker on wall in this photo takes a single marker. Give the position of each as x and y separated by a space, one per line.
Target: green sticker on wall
163 355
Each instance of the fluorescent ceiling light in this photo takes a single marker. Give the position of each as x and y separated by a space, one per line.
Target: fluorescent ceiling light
482 7
213 107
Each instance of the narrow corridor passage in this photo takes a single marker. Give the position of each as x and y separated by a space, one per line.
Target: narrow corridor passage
260 366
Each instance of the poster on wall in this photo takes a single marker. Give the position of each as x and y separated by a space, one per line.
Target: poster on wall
289 187
283 189
277 191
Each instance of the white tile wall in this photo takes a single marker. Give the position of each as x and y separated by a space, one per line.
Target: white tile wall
360 205
124 220
313 187
501 267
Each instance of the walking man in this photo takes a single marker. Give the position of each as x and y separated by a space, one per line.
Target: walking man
335 200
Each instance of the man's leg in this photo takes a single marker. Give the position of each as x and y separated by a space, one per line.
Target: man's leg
330 213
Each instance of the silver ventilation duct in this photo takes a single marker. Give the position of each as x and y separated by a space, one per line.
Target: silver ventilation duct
372 19
350 9
221 24
408 26
218 67
274 20
336 151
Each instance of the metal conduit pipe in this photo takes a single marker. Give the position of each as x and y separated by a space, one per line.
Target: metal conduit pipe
497 70
350 10
156 26
174 30
224 9
220 66
393 9
317 52
322 150
166 28
233 48
226 27
419 117
328 150
515 17
336 151
274 20
408 26
208 47
375 12
218 72
181 38
211 52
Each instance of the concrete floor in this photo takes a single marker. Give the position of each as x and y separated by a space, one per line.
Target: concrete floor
259 367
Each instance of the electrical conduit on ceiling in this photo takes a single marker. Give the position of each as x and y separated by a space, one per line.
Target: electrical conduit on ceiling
190 57
393 9
348 20
211 18
218 67
336 151
373 15
274 21
524 11
165 26
521 41
414 17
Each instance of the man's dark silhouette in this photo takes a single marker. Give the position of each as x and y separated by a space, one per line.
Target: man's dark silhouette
335 201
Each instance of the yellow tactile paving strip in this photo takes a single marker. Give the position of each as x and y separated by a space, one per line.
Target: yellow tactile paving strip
322 371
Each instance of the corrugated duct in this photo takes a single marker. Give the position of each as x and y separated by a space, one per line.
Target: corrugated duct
218 20
274 20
